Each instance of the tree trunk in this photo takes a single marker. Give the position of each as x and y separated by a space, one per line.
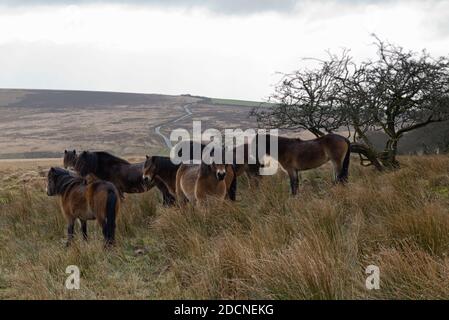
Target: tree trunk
389 157
366 150
369 153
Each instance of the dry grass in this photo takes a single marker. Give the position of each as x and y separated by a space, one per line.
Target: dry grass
267 246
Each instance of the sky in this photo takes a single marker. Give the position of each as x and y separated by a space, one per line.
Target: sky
218 48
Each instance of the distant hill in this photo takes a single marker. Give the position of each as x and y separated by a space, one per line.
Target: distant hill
43 123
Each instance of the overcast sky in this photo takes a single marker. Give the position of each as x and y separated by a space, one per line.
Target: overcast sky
217 48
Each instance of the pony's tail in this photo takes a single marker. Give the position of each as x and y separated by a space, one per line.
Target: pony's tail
110 217
344 173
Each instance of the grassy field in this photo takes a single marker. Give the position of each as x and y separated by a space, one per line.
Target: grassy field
268 245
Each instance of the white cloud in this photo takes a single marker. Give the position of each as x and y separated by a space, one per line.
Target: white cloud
147 49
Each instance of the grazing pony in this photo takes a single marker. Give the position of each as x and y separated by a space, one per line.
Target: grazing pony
85 200
296 155
70 158
197 183
127 177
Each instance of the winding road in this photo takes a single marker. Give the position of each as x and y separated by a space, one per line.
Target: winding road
166 139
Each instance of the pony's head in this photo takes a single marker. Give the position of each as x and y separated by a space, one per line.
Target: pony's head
86 163
214 163
51 182
54 180
218 170
69 159
150 168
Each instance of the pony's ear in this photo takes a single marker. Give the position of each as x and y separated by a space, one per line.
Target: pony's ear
65 151
74 151
52 169
148 157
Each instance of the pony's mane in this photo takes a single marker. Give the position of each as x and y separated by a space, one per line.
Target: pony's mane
164 163
65 180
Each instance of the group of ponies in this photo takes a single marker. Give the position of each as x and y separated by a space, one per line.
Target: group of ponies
93 184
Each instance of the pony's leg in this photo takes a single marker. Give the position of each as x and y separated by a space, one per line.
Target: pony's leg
105 233
70 232
337 169
109 225
84 229
182 199
294 181
168 199
233 189
253 175
105 227
180 196
340 162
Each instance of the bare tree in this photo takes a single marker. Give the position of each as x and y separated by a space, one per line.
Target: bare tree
306 99
396 93
405 91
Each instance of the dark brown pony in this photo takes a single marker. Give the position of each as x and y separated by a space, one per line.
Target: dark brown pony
85 200
162 170
246 164
70 158
296 155
127 177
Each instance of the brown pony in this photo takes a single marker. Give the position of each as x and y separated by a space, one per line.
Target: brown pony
127 177
85 200
296 155
197 183
70 158
245 164
162 170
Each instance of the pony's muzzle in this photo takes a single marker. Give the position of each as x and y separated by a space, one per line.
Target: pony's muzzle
147 182
221 175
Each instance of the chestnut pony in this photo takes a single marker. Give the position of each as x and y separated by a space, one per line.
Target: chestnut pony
82 199
296 155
